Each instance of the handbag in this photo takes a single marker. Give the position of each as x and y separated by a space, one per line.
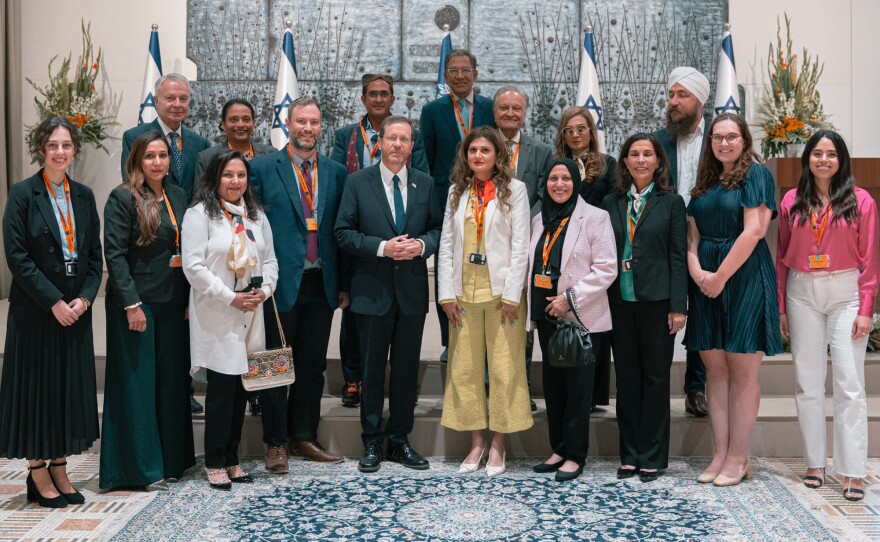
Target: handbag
570 346
269 368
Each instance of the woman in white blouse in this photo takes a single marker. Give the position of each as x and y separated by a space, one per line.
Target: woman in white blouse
229 260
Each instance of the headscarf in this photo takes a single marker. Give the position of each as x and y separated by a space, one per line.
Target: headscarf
692 80
553 213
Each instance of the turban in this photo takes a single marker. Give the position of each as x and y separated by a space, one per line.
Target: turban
692 80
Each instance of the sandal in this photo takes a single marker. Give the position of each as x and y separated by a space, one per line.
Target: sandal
814 482
218 479
238 476
852 493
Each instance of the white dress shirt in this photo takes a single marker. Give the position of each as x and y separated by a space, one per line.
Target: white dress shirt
689 148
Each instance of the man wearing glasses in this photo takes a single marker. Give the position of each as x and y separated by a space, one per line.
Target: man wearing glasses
682 139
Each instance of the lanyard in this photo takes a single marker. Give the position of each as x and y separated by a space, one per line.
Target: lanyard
819 229
174 222
479 205
630 223
515 156
373 149
548 242
307 190
464 129
66 222
248 155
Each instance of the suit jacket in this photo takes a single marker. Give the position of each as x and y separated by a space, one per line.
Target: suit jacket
531 166
671 147
277 189
141 273
659 249
193 144
588 264
205 156
440 132
594 192
365 220
343 135
32 242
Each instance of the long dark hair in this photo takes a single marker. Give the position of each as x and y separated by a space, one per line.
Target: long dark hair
206 189
463 177
843 196
710 168
147 203
661 175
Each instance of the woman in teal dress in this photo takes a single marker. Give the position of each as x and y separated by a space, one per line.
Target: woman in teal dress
734 322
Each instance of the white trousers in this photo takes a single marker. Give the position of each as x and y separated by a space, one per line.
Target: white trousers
821 308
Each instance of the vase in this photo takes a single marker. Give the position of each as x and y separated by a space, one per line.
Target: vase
795 150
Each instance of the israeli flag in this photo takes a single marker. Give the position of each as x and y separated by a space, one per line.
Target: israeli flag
588 86
445 47
726 91
153 72
286 90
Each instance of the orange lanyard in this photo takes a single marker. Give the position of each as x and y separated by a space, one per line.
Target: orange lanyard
464 129
819 229
548 242
479 204
309 191
631 224
373 149
248 155
515 156
174 222
66 222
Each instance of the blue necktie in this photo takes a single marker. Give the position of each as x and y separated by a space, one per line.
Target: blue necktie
465 110
175 155
398 204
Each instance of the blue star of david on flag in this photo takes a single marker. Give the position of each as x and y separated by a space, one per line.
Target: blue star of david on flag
730 105
149 103
277 121
593 106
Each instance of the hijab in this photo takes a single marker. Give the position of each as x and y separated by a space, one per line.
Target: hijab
552 213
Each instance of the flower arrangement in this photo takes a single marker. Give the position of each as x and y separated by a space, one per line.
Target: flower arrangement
76 99
790 110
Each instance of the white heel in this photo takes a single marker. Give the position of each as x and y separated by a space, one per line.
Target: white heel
470 468
500 469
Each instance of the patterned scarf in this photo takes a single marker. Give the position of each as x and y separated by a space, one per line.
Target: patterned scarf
242 257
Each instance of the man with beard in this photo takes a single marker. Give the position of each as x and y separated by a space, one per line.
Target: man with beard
300 192
682 139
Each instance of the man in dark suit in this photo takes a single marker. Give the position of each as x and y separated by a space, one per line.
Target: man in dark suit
682 139
300 192
172 106
238 122
389 221
444 123
356 146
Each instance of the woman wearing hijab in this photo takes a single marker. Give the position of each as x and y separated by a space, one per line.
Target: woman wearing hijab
572 248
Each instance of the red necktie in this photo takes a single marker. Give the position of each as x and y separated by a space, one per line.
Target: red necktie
311 236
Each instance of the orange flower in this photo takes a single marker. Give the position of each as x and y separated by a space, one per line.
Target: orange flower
95 66
79 119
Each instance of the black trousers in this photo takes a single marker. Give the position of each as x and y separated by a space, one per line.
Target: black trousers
402 335
568 394
349 347
643 349
225 402
602 380
295 415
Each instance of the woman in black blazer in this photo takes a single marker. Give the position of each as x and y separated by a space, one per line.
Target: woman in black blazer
147 432
48 400
648 301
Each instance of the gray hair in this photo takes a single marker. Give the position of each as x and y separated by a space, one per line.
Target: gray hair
512 88
176 77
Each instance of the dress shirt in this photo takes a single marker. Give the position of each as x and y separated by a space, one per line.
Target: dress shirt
57 196
298 160
388 185
516 140
166 130
368 129
689 148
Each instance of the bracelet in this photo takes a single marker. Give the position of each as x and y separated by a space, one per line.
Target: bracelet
86 301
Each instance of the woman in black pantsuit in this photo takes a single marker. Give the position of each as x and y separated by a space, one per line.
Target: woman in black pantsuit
648 301
48 400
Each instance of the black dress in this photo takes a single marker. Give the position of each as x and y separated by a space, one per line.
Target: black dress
48 398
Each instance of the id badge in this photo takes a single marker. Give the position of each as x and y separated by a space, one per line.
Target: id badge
626 265
543 281
819 261
311 224
477 259
175 261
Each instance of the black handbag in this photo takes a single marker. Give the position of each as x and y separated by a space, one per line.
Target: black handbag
570 345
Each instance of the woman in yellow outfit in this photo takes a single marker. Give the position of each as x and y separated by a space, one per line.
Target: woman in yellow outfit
482 264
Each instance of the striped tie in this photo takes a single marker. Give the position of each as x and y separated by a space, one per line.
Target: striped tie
175 155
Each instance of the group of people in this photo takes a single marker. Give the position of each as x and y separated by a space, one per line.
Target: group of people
216 251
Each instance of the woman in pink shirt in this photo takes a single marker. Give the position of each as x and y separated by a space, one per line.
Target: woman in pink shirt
826 271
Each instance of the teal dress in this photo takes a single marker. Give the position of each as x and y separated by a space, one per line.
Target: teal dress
745 317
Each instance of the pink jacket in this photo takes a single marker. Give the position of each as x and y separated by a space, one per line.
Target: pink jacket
589 264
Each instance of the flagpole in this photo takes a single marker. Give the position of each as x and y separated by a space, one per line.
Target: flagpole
153 71
286 90
589 94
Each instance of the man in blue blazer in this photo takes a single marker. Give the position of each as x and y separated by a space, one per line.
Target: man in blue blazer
389 221
300 192
172 105
444 123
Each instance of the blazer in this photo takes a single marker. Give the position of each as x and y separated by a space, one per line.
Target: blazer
277 189
32 242
671 147
193 144
589 264
659 251
141 273
205 156
594 192
343 135
365 220
440 132
531 166
507 239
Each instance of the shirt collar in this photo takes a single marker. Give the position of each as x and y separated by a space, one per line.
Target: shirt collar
387 174
166 130
469 98
515 138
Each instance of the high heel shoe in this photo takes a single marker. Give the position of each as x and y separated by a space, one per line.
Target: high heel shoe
500 469
218 479
727 481
851 493
470 468
33 494
73 498
707 476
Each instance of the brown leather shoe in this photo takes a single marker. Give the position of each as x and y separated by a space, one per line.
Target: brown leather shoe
311 450
696 405
276 460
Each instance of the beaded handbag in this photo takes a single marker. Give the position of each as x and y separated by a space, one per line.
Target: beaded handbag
269 368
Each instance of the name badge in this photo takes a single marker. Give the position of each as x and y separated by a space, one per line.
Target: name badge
311 224
543 281
626 265
819 261
477 259
70 268
175 261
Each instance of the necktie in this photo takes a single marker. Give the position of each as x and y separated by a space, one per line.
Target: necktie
465 109
311 236
175 155
510 145
398 204
378 155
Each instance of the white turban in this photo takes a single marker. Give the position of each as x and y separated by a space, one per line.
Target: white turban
692 80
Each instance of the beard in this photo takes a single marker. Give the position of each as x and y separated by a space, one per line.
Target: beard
301 144
682 126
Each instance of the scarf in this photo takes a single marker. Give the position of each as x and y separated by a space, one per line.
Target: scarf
242 257
552 213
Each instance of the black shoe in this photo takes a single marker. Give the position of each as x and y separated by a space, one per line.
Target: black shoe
256 407
351 394
623 474
33 494
562 476
544 468
533 404
444 356
696 405
648 476
406 456
194 406
72 498
371 459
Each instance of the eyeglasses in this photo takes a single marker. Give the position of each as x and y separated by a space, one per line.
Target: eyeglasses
373 94
581 130
730 138
395 139
459 71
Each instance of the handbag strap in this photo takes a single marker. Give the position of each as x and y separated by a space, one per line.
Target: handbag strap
247 338
573 305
